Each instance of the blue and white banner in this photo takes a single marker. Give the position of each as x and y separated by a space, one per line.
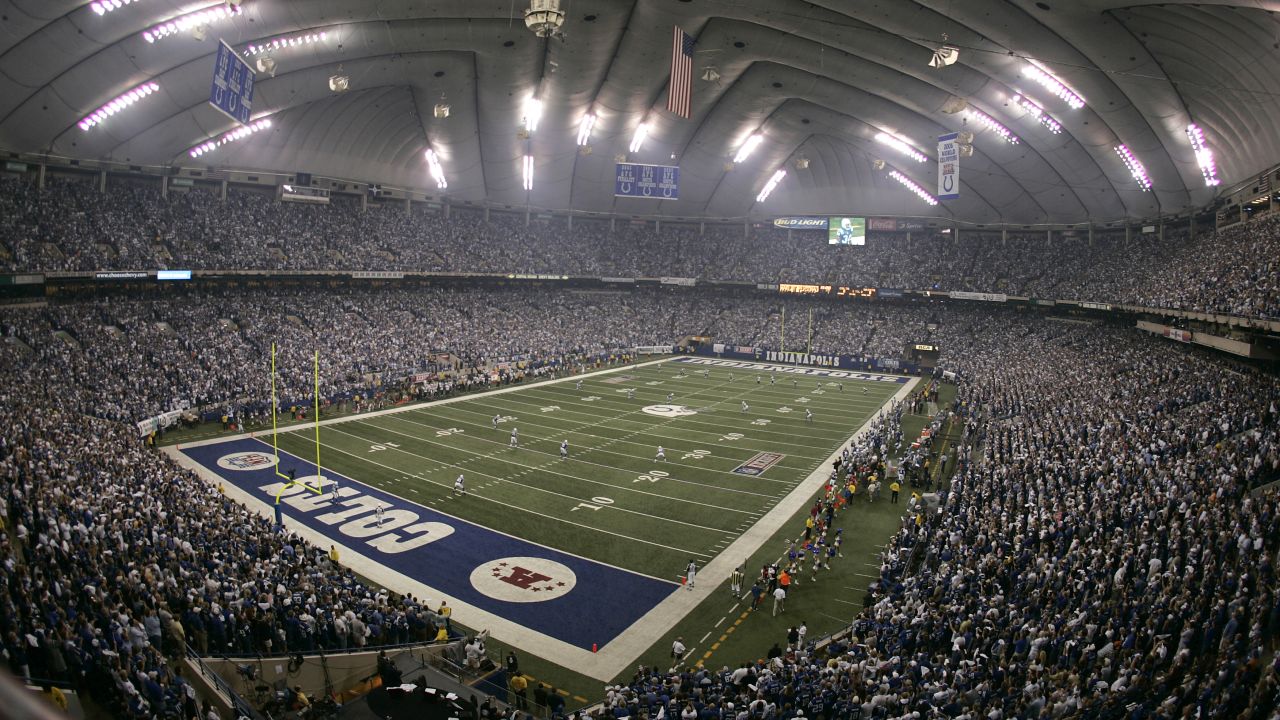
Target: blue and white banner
948 167
232 91
785 362
661 182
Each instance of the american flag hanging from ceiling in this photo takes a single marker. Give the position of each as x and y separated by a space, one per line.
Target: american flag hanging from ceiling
681 87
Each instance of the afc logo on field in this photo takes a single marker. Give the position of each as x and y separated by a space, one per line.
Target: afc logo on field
523 579
246 461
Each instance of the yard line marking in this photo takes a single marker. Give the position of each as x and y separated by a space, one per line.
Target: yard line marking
846 602
600 422
584 462
531 512
785 436
735 607
551 492
704 637
574 478
719 621
872 577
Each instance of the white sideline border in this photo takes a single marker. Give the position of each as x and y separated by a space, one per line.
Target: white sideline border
623 650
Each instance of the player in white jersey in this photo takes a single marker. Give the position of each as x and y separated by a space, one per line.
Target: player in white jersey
671 397
378 511
773 379
564 449
631 393
706 373
744 406
460 486
495 421
515 437
577 385
662 455
808 415
690 572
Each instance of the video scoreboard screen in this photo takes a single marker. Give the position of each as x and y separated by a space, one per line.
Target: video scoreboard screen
847 231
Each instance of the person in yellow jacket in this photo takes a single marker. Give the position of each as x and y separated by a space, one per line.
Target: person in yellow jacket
894 487
520 686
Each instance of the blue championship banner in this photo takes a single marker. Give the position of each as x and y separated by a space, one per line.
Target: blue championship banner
661 182
232 91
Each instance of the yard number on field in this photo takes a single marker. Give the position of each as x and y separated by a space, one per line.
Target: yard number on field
382 446
446 432
599 503
695 455
652 476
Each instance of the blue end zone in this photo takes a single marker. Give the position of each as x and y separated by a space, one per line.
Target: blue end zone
578 601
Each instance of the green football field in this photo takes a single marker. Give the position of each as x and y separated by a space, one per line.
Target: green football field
611 500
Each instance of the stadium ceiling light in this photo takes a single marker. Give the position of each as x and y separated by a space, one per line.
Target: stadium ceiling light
285 42
118 104
531 113
102 7
231 136
637 139
1033 108
900 145
748 147
989 123
528 172
1135 168
913 187
1204 156
773 183
191 20
437 172
584 128
1035 71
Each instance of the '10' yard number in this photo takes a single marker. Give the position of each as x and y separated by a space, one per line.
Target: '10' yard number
599 503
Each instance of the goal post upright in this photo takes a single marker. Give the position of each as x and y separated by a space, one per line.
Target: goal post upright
275 432
319 475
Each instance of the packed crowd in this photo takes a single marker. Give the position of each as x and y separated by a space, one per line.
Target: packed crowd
133 358
69 225
116 560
